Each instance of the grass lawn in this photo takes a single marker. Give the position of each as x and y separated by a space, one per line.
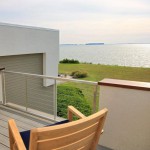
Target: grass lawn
99 72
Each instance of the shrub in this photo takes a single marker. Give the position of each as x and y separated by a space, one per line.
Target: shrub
71 96
69 61
78 74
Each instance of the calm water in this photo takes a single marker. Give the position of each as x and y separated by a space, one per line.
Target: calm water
136 55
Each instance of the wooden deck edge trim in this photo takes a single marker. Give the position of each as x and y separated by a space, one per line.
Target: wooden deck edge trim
145 86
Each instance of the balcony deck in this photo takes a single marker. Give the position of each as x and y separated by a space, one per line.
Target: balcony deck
23 121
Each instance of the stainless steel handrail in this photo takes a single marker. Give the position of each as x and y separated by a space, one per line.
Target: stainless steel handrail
51 77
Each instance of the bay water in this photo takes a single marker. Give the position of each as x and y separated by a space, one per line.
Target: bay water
134 55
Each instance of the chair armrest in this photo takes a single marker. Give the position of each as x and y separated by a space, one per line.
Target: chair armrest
73 111
14 136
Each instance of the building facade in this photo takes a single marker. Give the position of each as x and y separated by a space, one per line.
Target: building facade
30 50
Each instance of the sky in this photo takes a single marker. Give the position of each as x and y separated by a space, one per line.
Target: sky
83 21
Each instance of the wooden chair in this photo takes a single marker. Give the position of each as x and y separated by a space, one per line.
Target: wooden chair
82 134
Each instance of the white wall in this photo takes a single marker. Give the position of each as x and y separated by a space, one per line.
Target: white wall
15 40
127 125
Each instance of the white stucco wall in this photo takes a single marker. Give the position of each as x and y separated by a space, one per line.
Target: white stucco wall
16 40
127 125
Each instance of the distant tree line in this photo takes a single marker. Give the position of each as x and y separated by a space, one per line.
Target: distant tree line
69 61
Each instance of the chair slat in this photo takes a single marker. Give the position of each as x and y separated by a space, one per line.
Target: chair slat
86 147
70 138
73 146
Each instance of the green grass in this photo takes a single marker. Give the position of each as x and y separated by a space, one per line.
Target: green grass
99 72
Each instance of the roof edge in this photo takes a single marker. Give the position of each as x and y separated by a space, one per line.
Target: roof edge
26 26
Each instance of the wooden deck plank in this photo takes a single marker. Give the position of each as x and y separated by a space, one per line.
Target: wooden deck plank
4 140
3 147
8 115
5 125
19 123
24 122
22 117
4 131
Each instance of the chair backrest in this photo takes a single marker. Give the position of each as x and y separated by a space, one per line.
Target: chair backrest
82 134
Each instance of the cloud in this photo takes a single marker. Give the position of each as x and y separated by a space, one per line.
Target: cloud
108 30
80 20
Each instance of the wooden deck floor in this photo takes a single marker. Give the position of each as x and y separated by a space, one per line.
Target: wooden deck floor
23 121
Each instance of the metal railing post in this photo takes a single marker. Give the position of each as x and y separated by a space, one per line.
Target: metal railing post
94 98
55 99
4 88
26 96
